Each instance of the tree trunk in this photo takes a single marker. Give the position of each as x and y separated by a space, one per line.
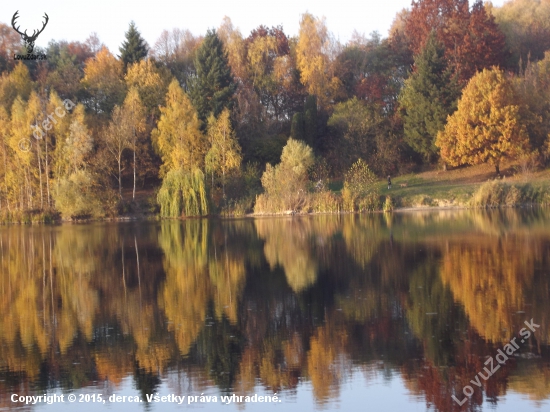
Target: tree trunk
119 177
497 168
223 167
40 174
134 191
47 171
5 178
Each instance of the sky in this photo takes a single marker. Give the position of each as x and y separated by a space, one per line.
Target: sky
75 20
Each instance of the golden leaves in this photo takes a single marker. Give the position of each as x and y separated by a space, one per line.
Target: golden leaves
177 137
486 127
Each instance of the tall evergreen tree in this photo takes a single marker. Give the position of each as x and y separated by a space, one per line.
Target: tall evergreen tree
304 124
297 127
310 121
134 48
213 87
428 97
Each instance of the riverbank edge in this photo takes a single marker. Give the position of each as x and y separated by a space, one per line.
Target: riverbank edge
158 218
487 195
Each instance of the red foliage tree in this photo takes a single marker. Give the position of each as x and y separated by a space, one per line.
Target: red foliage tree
471 38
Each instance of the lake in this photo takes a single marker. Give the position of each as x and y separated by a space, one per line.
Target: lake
394 312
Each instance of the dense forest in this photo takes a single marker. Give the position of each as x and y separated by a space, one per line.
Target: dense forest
233 123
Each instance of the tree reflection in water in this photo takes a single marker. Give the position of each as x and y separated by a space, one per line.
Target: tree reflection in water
279 302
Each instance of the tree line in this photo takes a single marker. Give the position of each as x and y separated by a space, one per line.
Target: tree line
228 123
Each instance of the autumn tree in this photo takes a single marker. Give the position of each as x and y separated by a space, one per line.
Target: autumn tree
449 19
234 47
22 178
151 81
484 45
486 126
66 61
78 145
15 83
471 39
314 58
373 69
116 139
134 48
271 71
285 184
213 87
134 111
269 91
125 132
427 98
64 161
176 50
533 88
177 138
6 154
35 116
10 44
361 131
224 154
526 26
103 83
360 192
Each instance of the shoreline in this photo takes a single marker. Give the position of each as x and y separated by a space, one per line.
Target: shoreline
412 209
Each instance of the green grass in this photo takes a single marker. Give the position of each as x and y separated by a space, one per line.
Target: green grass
457 187
427 192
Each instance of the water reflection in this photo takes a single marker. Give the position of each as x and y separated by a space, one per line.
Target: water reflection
279 305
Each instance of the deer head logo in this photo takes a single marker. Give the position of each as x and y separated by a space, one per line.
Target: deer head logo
29 40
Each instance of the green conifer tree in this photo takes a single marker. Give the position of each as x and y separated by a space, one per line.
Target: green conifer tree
134 48
297 127
213 88
428 97
310 121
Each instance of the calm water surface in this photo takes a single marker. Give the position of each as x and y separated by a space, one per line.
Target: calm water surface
372 312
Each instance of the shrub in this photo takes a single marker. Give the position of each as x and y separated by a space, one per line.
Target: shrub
239 207
513 196
326 202
494 194
285 184
388 204
75 196
360 192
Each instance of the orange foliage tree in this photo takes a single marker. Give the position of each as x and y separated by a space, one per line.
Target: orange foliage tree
487 126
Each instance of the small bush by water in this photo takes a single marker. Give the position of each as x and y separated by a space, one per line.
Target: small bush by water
495 194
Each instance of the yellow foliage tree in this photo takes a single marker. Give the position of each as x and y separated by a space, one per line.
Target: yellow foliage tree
177 137
234 46
487 126
16 83
104 81
224 155
313 59
150 82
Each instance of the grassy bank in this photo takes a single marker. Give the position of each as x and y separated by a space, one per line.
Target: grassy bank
469 187
464 187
